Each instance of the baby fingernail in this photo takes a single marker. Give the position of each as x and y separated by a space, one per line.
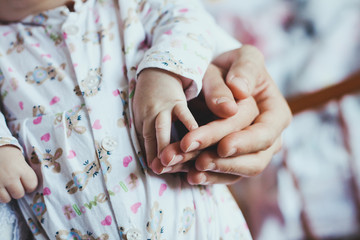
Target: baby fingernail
192 127
176 159
222 100
193 146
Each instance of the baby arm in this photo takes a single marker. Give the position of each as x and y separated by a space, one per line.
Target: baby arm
159 99
16 176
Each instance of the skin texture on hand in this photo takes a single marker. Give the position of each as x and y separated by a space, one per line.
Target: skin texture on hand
16 176
159 99
241 150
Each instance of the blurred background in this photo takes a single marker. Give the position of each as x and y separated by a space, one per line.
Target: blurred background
312 51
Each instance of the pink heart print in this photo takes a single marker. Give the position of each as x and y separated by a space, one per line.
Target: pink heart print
71 154
45 137
116 92
97 124
21 105
37 120
46 191
183 10
162 189
7 33
107 221
54 100
135 207
127 160
106 58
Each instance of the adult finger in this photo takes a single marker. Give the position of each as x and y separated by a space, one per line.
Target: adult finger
219 99
172 155
245 165
158 168
195 177
246 67
214 131
265 129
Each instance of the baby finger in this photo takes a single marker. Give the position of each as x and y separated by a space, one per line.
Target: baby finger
4 196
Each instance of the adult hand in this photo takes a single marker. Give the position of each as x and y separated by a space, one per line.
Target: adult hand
243 152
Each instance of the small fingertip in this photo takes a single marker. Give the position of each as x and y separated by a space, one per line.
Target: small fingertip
156 166
31 188
193 127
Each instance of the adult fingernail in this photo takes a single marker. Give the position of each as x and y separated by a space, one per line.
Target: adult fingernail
176 159
193 146
211 166
230 153
166 169
203 178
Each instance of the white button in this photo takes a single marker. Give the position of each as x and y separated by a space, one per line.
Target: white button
92 82
133 234
71 29
109 143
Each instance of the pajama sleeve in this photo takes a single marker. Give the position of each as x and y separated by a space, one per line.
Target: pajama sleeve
182 38
5 136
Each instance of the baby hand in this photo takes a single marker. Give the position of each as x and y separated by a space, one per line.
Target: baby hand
159 100
16 176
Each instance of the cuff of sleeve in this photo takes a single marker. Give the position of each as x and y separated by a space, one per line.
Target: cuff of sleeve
184 63
10 141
